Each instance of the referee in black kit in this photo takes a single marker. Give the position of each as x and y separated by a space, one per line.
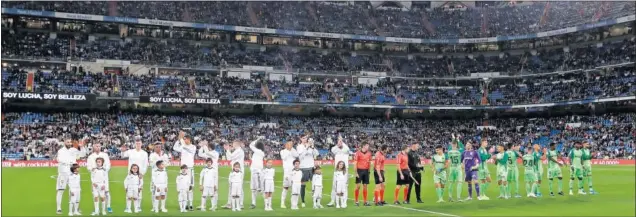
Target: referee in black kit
415 165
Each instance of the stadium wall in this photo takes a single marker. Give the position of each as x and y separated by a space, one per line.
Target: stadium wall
123 163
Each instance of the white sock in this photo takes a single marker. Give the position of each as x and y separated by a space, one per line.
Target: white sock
108 199
181 206
163 204
343 201
253 197
317 201
213 201
96 206
190 197
265 199
58 199
128 203
104 206
137 203
77 207
337 202
70 207
203 200
294 200
235 204
283 196
155 204
241 198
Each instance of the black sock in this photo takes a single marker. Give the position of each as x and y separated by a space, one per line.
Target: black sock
302 192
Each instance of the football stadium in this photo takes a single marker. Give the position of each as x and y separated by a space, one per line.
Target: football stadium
318 108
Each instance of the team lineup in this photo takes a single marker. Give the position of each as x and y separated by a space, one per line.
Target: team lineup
458 161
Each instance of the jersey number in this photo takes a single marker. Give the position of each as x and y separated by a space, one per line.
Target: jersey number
455 160
509 160
527 163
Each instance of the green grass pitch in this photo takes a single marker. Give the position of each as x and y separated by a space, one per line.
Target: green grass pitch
31 192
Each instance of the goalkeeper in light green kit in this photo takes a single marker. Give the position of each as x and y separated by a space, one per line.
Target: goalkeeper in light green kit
576 167
513 170
531 167
455 177
587 166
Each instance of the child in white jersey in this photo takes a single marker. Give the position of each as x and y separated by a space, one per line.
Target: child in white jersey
316 187
99 179
183 187
341 185
268 184
160 182
74 190
236 186
207 184
296 182
133 184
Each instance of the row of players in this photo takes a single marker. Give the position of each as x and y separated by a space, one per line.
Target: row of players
296 176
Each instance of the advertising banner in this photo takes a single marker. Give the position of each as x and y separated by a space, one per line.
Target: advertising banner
48 96
182 100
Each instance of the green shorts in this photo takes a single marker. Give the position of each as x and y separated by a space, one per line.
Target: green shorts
483 173
502 174
530 176
455 175
576 172
440 178
513 174
587 170
555 173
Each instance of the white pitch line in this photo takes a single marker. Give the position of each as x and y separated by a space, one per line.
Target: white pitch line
328 195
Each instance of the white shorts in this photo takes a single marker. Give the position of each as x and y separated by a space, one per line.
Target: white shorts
286 180
317 192
160 191
341 187
62 181
236 189
183 195
295 188
256 180
74 195
268 186
98 192
208 191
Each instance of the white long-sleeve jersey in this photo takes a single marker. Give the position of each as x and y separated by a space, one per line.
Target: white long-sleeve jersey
296 176
67 157
306 155
183 182
205 152
341 154
139 157
236 177
209 177
237 155
74 182
187 152
133 181
91 164
99 176
288 157
269 173
154 157
316 180
257 157
160 178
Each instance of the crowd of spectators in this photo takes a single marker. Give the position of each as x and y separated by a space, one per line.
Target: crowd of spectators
35 134
359 17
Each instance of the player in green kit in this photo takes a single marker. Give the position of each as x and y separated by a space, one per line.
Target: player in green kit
501 160
530 164
484 174
576 167
440 164
541 155
554 168
513 169
587 166
454 156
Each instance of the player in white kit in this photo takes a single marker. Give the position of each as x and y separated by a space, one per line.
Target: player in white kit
341 152
66 157
296 184
208 151
316 187
208 184
137 156
160 182
99 180
188 151
268 184
184 186
91 164
157 155
256 168
75 190
306 153
236 155
133 185
288 155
